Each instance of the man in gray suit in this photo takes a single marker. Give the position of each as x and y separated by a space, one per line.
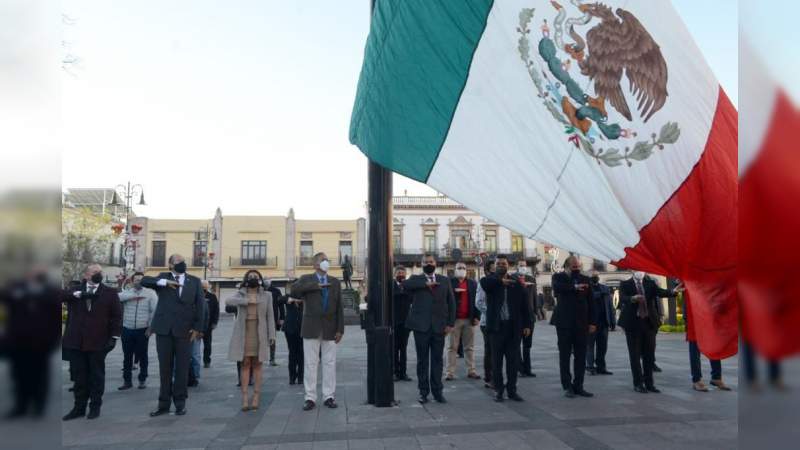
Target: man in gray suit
177 322
322 329
431 317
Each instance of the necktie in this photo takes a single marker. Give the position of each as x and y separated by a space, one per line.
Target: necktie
641 311
91 290
324 280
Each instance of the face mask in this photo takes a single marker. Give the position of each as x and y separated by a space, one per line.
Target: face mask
137 284
522 270
595 280
461 273
180 267
638 275
97 278
576 271
324 265
501 271
253 282
400 278
428 268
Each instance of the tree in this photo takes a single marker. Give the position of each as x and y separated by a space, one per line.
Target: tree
87 238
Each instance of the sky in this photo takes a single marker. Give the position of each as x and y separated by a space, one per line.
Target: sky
246 105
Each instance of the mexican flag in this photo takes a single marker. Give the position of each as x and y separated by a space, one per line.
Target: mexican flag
595 127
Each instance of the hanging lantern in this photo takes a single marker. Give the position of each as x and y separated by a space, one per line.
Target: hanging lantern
136 228
210 255
117 228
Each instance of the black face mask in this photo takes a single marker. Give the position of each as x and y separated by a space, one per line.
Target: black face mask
595 280
501 271
576 271
429 268
252 282
180 267
97 278
400 278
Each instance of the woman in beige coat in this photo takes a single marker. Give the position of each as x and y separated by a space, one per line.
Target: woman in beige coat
253 332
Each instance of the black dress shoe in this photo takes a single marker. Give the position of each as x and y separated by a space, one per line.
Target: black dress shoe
583 393
142 385
515 397
406 378
569 393
125 387
440 398
331 403
159 412
604 372
206 365
72 389
180 411
653 389
498 398
656 368
524 375
308 405
640 389
193 383
74 414
292 382
94 413
422 399
592 371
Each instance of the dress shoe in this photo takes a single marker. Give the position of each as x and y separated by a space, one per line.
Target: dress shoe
592 371
94 413
449 378
180 411
515 397
656 368
159 412
474 376
309 405
653 389
125 387
142 385
523 375
422 399
700 386
440 398
498 397
583 393
719 384
291 381
640 389
331 403
569 393
406 378
273 363
193 383
604 372
206 365
74 414
72 389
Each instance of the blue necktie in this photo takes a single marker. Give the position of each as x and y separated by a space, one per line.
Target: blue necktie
323 280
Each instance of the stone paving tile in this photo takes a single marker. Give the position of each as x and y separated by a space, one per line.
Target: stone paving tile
616 418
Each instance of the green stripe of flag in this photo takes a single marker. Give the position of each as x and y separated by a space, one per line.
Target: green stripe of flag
415 67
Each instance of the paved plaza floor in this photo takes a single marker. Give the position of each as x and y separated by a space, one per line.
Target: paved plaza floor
617 417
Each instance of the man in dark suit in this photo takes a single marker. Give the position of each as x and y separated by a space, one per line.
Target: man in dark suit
431 317
95 326
467 319
525 275
213 319
178 321
598 341
640 319
574 319
322 329
294 341
508 320
401 304
279 314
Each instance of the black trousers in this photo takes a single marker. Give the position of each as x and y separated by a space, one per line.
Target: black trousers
596 349
430 361
30 373
642 354
134 347
505 345
487 355
525 358
401 334
572 342
296 358
207 340
90 378
174 354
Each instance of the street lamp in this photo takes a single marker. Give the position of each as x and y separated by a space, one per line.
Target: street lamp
128 192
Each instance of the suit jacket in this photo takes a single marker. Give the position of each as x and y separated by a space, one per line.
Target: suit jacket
431 309
213 309
472 289
574 309
401 303
603 305
278 309
317 322
517 298
294 316
175 315
628 318
265 326
90 331
530 297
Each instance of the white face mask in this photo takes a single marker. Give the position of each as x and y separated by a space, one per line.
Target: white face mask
324 265
461 273
523 270
638 275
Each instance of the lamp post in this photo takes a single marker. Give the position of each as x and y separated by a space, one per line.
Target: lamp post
128 192
206 233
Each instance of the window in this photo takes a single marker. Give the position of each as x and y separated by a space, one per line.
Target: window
254 253
490 241
459 239
199 252
517 243
306 253
397 240
159 256
345 249
429 241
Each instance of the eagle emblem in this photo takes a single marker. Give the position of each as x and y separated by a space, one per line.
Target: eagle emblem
581 82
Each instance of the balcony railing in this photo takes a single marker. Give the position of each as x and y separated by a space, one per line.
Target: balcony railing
305 261
448 254
253 262
155 262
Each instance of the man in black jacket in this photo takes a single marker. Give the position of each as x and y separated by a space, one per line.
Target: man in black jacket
598 341
401 303
574 319
432 316
213 318
95 327
508 320
278 312
640 319
294 340
525 274
178 321
467 319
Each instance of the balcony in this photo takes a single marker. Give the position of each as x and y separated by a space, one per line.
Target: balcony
266 262
155 262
